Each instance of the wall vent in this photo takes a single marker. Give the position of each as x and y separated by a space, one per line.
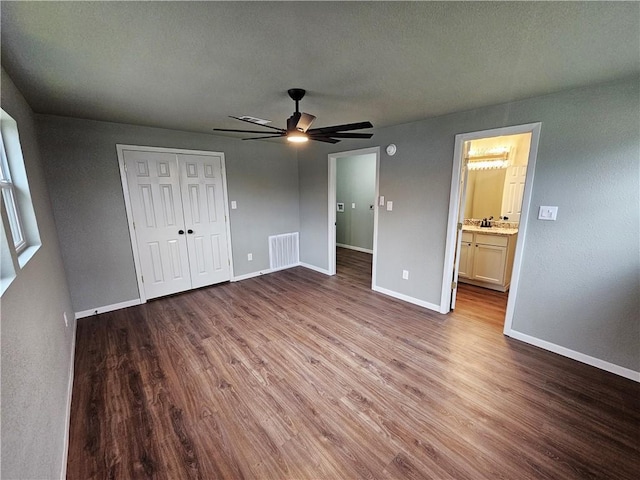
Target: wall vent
284 251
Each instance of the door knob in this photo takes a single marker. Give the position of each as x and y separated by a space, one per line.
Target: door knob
180 232
189 231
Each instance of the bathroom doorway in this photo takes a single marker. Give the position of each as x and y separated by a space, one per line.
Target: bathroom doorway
490 196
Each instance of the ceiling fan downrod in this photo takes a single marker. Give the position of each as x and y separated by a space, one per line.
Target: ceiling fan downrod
296 94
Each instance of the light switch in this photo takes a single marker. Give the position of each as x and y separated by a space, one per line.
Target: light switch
547 213
234 205
381 201
389 205
405 274
353 205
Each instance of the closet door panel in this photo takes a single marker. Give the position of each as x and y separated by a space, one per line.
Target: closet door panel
154 191
203 205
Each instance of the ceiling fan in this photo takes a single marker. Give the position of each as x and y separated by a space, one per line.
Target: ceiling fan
298 124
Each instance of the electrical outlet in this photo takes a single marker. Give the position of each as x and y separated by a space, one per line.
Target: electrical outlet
66 320
353 205
405 274
250 257
234 205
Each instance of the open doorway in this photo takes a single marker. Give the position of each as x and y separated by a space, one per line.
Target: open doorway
353 185
491 193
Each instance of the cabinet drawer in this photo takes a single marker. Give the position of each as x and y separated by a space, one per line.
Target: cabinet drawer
497 240
467 237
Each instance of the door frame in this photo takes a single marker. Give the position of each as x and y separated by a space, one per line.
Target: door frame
462 199
454 212
120 149
331 225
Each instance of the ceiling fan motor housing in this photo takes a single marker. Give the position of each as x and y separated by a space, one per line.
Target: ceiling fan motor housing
292 122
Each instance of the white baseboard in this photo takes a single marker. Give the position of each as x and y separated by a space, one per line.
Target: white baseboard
315 269
580 357
266 271
108 308
357 249
407 298
67 423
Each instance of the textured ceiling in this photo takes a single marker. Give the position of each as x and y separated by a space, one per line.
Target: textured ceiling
188 65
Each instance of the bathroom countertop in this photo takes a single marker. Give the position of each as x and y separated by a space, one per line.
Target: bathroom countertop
490 230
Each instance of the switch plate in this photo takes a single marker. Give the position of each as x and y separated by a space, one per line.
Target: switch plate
250 256
234 205
381 201
353 205
389 205
547 213
405 274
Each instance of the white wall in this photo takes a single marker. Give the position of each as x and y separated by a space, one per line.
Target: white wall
36 345
580 282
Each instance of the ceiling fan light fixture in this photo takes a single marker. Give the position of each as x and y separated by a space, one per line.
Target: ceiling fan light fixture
298 126
297 137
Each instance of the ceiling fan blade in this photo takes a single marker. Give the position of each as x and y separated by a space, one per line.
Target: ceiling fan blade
324 139
338 128
347 135
259 124
244 131
305 122
280 135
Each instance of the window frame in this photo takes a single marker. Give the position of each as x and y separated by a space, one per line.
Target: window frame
10 202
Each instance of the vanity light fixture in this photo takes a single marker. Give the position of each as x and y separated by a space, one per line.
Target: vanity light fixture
491 159
487 164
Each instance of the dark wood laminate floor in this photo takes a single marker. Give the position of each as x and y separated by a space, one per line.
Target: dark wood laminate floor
296 375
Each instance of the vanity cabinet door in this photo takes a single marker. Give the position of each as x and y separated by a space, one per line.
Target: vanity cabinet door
466 259
489 263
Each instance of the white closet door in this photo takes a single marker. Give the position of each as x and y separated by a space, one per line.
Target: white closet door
154 190
203 204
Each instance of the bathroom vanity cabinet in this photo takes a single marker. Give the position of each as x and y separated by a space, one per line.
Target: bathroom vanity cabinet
486 257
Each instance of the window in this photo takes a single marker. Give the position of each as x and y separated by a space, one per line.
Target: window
19 237
9 197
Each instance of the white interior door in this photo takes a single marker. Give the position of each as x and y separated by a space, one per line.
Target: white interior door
154 190
513 192
204 215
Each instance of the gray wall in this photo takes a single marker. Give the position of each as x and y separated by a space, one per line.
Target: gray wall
83 175
356 183
36 345
313 173
579 283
